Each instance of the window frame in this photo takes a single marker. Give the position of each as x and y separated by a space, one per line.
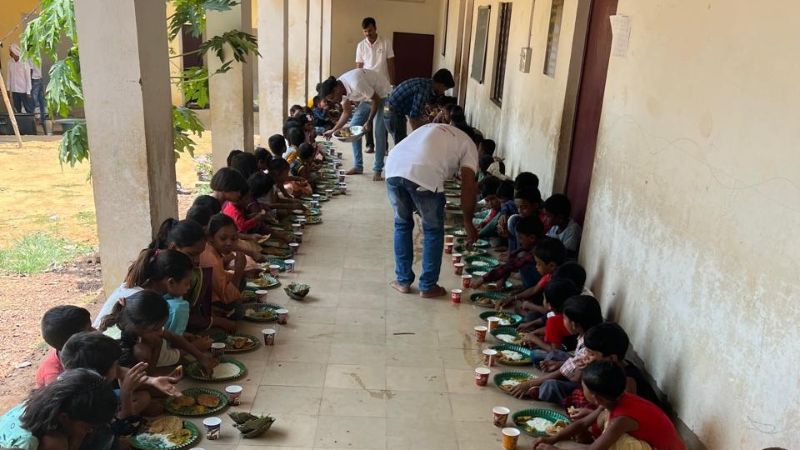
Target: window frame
500 62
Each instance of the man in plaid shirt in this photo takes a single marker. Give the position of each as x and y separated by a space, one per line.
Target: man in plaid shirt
410 98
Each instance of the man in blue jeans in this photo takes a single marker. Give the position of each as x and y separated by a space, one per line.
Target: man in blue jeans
410 98
370 89
415 174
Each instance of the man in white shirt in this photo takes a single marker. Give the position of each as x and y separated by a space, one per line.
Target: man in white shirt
375 53
19 79
368 88
415 174
37 93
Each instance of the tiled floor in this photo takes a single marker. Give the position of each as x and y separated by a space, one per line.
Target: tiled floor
360 366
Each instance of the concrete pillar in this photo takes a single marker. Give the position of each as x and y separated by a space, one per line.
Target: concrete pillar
273 67
314 45
230 93
326 38
128 114
175 64
298 52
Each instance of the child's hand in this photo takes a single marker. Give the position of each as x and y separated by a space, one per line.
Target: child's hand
543 443
502 303
526 389
240 262
550 365
207 363
528 306
578 413
134 378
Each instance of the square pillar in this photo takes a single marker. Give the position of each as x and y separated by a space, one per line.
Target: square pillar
230 93
129 121
175 64
314 46
298 52
326 38
273 67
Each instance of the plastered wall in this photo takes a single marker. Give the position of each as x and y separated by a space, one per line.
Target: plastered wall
691 235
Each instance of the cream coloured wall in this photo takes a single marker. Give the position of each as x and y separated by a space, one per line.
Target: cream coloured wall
690 238
391 16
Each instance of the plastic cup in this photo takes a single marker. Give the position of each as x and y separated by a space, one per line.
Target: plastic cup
297 226
455 296
456 258
341 178
343 188
482 376
261 295
298 212
448 248
234 392
274 270
339 155
466 281
329 192
315 203
213 426
298 236
458 268
217 349
480 333
283 316
510 437
489 356
493 323
295 247
500 416
269 336
316 196
449 238
289 263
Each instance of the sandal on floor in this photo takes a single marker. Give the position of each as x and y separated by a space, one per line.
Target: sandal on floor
436 291
401 288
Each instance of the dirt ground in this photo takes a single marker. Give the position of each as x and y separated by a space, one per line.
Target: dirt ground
40 195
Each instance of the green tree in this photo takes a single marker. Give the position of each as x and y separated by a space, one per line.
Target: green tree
43 35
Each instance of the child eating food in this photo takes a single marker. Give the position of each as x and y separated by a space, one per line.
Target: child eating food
58 324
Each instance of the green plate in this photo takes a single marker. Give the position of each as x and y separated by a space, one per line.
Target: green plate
265 281
143 441
482 243
194 371
526 353
252 344
511 331
196 410
548 414
469 253
259 307
484 262
452 206
273 260
478 296
477 271
452 194
514 319
504 376
314 220
314 212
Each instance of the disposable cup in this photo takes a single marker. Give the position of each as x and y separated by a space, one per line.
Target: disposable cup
341 173
329 192
343 188
262 295
283 316
316 196
341 178
213 426
456 258
510 437
339 155
500 416
489 357
482 376
315 203
289 263
298 237
234 392
217 349
466 280
269 336
448 248
297 226
295 247
493 322
458 268
455 296
480 333
274 270
449 238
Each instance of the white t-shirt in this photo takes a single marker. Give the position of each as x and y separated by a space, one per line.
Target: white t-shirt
112 300
570 235
362 84
432 154
374 56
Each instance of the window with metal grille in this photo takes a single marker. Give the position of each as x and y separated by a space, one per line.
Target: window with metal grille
501 52
553 33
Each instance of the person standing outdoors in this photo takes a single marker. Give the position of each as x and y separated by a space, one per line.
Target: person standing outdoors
368 88
19 80
374 53
410 98
37 94
415 174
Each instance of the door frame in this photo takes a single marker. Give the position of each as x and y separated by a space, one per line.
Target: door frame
463 57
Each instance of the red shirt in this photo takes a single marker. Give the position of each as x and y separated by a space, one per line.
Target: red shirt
544 280
243 224
49 369
555 331
655 428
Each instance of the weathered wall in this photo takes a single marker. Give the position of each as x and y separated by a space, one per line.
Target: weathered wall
528 124
391 16
691 236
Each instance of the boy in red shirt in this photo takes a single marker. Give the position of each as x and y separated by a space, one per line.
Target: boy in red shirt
550 337
58 325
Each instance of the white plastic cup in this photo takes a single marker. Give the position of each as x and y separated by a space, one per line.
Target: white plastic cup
482 376
274 270
500 416
289 263
261 295
217 349
269 336
234 392
295 247
213 426
283 316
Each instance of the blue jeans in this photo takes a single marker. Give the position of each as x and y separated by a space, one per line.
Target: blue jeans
37 99
513 245
406 197
396 124
381 139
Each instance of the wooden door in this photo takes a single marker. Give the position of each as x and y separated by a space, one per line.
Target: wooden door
191 43
590 105
413 56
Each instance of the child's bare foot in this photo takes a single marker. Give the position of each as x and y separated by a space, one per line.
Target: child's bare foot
436 291
401 288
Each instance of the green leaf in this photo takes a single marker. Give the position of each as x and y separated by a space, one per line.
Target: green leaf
43 35
74 147
64 90
239 42
185 123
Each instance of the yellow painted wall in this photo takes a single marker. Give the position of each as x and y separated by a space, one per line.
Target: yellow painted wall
691 233
409 17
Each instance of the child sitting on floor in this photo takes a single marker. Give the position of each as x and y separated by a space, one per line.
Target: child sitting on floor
557 209
522 261
219 253
262 158
228 185
548 254
277 145
623 421
487 227
295 137
505 193
581 313
60 415
550 337
527 201
304 166
609 342
483 169
58 324
137 322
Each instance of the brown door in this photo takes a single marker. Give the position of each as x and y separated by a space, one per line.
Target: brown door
413 56
191 43
590 105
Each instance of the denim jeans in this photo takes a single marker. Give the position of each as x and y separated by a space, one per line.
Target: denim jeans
37 98
378 127
513 245
20 101
396 124
406 197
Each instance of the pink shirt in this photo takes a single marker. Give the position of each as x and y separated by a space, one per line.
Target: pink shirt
49 369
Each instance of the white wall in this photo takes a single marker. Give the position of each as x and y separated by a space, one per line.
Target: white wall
691 238
391 15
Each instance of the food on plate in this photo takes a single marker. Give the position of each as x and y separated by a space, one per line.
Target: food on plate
485 301
165 425
183 401
507 338
511 355
180 437
260 314
226 370
480 264
238 342
533 424
207 400
556 427
511 383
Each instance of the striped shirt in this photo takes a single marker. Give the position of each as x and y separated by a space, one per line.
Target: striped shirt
411 96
